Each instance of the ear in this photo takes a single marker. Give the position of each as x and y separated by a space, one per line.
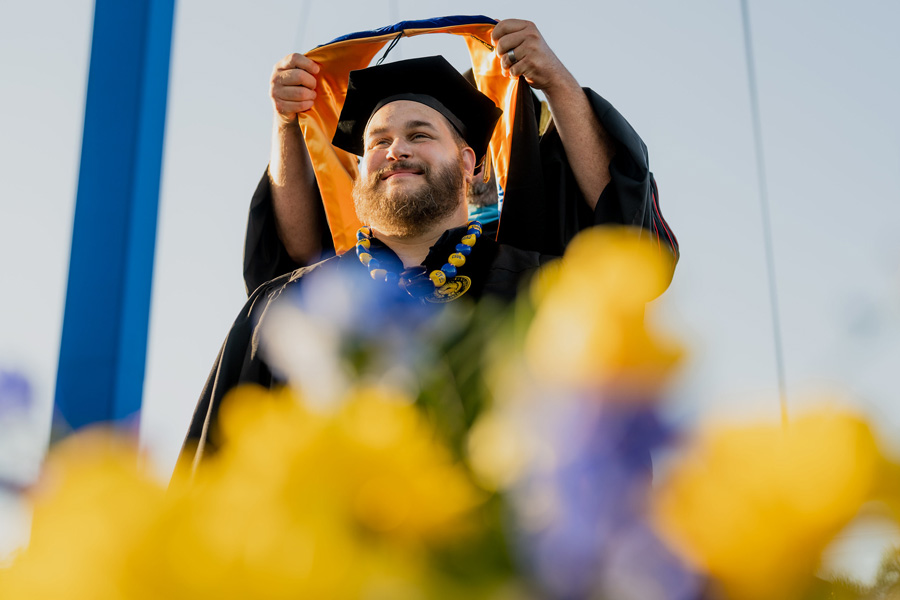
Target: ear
468 158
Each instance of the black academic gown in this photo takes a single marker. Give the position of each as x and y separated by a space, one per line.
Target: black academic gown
493 270
543 206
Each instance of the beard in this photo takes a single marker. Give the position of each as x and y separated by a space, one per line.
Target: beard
404 212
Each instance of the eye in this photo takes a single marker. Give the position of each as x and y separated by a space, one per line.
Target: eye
420 136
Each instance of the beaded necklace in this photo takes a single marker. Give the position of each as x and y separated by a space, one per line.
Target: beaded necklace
438 277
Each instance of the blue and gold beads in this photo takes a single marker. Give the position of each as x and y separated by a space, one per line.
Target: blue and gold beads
437 277
362 248
458 258
463 249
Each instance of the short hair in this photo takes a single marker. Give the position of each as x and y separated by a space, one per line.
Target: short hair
457 136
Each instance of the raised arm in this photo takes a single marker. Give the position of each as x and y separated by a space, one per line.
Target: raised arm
589 149
295 195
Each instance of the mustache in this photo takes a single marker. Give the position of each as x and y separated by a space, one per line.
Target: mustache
402 165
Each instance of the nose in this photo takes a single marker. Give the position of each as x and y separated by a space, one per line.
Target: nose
398 150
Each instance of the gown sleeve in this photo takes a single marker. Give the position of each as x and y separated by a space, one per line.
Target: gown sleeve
543 206
265 256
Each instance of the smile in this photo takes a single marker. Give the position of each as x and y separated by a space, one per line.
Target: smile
402 174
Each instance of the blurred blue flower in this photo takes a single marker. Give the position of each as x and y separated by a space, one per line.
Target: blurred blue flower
15 392
582 515
341 328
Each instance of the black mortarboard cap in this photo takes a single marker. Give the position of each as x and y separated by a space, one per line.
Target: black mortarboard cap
431 81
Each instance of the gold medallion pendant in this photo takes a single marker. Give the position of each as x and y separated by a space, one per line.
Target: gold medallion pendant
453 289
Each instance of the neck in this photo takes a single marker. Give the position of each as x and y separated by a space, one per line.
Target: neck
413 250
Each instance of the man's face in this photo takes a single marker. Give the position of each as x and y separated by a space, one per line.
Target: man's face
413 171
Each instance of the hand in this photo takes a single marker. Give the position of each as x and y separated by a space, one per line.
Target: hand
293 87
534 58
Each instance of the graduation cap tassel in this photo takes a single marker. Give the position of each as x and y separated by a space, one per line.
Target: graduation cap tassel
389 48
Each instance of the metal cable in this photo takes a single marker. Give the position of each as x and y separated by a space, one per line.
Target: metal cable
300 37
394 12
764 209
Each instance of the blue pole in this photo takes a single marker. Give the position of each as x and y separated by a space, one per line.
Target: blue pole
104 337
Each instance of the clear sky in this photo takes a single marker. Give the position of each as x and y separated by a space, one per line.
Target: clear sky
829 88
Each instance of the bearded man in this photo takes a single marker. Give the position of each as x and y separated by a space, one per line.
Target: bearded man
421 130
575 162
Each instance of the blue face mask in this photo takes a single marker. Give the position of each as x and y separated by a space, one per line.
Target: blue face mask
485 214
488 214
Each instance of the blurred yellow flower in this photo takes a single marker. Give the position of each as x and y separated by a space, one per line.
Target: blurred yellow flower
376 457
91 506
297 503
316 504
499 450
754 506
589 325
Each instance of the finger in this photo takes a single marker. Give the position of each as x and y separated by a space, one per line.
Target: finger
290 108
508 26
297 61
510 41
506 61
533 74
520 68
293 93
294 78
